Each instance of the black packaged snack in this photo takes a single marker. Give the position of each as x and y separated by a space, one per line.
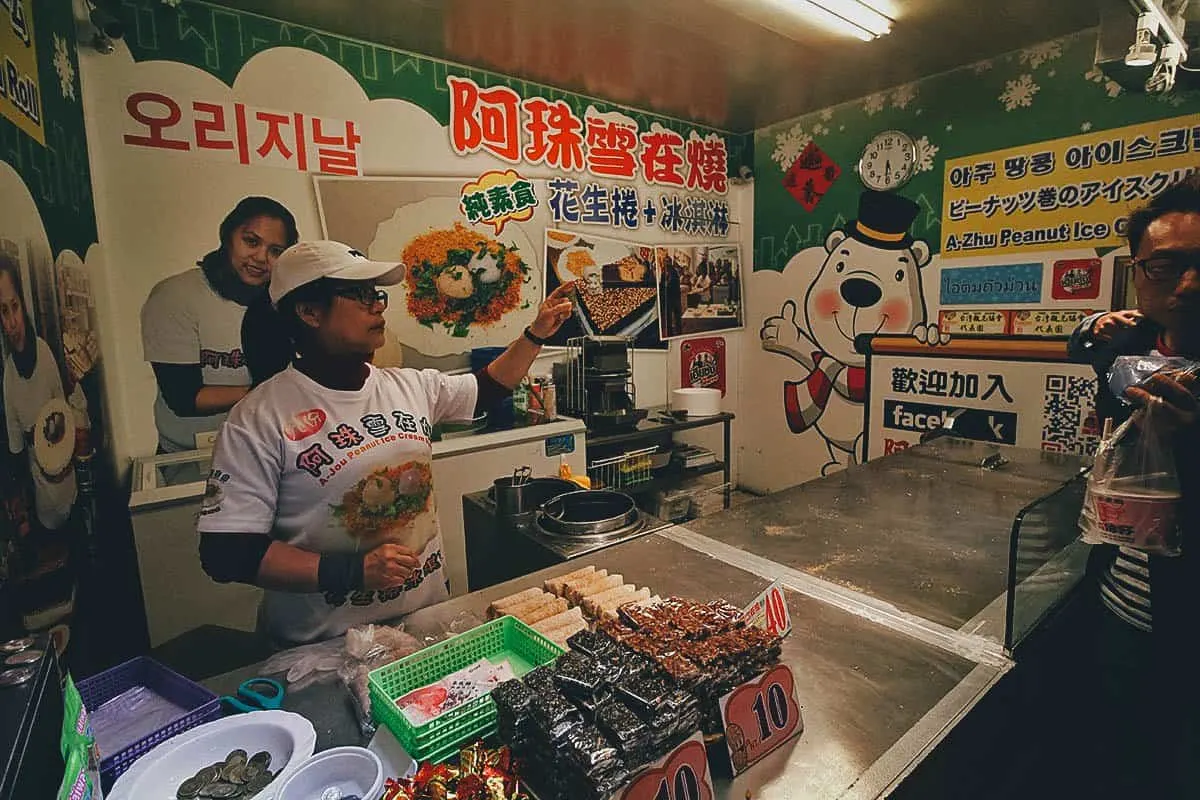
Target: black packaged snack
554 715
621 725
512 697
592 644
587 746
577 675
648 694
591 705
539 678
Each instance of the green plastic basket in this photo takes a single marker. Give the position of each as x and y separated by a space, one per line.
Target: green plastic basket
436 740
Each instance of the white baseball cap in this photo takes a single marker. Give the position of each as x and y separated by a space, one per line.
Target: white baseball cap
305 262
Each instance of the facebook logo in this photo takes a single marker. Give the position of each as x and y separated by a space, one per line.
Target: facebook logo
979 424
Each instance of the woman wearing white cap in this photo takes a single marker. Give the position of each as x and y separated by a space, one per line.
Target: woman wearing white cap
321 485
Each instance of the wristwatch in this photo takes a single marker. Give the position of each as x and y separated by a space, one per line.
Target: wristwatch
533 337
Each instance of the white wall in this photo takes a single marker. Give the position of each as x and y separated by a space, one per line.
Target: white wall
158 211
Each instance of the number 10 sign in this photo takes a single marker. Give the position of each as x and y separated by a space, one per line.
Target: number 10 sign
760 715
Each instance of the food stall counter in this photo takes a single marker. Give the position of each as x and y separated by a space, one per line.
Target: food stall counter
873 699
928 530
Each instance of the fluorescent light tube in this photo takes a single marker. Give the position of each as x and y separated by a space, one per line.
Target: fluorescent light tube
858 14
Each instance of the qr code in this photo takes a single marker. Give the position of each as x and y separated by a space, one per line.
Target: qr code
1069 423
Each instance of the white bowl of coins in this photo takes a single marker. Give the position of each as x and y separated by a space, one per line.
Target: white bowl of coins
342 773
240 757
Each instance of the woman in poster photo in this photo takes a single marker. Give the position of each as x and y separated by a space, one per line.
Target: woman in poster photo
31 380
192 324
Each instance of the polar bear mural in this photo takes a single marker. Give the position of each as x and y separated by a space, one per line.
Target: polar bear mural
869 282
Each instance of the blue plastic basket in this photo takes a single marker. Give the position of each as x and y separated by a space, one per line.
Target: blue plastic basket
201 704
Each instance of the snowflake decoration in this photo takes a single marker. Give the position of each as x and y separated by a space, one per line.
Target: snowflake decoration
1096 75
1039 54
926 152
1085 127
980 67
1019 93
826 115
874 104
64 67
819 130
171 3
904 95
950 127
1052 73
789 145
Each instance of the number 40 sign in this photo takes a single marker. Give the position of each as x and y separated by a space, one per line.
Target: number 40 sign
760 715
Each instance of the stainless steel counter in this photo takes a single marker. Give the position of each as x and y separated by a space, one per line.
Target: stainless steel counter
873 700
927 530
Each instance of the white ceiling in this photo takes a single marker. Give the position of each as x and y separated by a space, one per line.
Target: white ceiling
717 61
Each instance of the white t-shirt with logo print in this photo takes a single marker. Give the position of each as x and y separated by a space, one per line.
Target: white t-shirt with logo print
337 472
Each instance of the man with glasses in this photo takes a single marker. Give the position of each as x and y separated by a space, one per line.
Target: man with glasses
1150 606
321 489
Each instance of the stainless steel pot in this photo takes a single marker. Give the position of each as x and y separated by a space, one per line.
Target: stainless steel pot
518 500
588 513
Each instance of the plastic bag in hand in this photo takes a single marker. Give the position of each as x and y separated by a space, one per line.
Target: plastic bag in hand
1133 492
1130 371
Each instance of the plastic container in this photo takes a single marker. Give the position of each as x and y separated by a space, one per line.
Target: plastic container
288 737
201 706
503 638
350 770
696 401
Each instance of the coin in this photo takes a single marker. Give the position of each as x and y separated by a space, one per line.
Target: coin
237 774
252 771
16 677
189 789
256 785
219 791
262 759
332 793
16 645
208 775
23 658
237 757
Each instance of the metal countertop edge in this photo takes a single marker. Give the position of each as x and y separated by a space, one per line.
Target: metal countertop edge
966 645
898 762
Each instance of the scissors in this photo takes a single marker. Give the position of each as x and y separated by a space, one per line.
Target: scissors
249 696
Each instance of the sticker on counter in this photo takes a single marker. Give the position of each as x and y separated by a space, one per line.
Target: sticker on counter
769 611
560 445
759 716
682 774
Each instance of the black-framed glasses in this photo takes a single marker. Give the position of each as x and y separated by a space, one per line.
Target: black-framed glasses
366 296
1168 268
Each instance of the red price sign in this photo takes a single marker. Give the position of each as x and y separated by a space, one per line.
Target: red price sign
761 715
769 611
680 775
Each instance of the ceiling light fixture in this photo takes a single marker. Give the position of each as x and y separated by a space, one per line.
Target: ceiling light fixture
1143 52
855 17
1170 29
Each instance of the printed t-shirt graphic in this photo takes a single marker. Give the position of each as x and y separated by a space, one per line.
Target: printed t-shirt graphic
337 471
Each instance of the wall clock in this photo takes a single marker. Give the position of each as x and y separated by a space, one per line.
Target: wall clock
888 161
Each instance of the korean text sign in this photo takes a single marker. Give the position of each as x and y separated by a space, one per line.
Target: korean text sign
233 131
1063 194
20 96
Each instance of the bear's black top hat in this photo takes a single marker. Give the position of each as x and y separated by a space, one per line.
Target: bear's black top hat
883 220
